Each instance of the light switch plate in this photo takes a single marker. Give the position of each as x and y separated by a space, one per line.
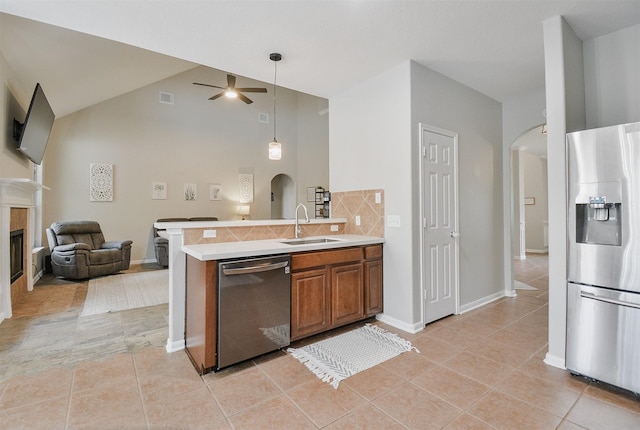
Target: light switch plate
334 227
357 219
393 221
378 198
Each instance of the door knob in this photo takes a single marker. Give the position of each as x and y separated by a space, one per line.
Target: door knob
455 234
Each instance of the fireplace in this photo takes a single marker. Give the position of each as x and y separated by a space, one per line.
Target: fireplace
16 257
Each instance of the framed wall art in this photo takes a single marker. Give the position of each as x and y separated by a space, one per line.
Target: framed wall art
100 182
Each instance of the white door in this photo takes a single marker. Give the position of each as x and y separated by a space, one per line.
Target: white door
439 239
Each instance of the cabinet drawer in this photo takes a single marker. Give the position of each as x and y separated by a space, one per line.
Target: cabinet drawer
306 260
371 252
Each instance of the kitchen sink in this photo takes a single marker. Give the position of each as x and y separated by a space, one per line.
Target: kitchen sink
305 241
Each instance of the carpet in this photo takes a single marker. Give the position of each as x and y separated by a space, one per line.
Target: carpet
522 286
335 359
126 291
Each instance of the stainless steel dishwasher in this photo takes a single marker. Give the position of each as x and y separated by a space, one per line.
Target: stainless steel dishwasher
254 307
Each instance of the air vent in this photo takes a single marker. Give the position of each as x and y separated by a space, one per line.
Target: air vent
166 98
263 117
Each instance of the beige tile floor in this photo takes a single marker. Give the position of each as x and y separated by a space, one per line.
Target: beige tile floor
480 370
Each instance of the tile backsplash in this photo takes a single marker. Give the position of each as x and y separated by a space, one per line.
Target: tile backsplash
350 204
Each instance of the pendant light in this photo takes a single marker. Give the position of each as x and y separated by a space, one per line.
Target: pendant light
275 148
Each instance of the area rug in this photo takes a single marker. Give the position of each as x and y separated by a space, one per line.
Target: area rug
335 359
126 291
522 286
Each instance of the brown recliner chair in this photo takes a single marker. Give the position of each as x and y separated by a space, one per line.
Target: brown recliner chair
79 251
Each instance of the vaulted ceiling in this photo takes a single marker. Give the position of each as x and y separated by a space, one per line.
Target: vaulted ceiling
84 52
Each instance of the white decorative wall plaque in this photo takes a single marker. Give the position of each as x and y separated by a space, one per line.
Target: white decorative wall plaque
190 191
100 182
246 188
159 190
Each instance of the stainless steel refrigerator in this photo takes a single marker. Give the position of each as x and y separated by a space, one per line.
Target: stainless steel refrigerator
603 285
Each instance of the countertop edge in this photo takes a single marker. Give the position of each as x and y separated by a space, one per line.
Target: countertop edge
242 223
253 248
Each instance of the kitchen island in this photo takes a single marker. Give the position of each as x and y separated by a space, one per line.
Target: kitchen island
180 233
335 280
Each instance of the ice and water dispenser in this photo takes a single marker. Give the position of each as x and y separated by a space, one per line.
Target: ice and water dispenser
598 214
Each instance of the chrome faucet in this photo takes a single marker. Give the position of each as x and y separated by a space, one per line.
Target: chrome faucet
306 218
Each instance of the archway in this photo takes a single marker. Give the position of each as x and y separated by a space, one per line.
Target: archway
283 197
529 206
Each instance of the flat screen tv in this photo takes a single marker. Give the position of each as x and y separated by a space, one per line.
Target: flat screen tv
33 134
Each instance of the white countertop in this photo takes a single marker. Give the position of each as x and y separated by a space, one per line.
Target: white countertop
251 248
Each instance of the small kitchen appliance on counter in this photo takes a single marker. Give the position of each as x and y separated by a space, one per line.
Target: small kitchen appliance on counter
603 296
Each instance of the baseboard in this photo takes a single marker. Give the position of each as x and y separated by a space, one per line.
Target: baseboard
537 251
554 361
144 261
37 276
177 345
481 302
519 257
393 322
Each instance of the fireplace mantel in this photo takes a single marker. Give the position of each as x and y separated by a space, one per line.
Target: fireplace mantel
14 193
18 191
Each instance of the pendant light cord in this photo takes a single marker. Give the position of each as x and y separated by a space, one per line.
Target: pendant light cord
275 76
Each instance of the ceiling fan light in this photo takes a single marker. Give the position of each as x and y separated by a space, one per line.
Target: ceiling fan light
231 94
275 150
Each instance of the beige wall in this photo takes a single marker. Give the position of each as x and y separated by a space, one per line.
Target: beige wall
194 140
535 185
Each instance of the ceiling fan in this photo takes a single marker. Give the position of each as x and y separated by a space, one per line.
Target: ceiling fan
232 92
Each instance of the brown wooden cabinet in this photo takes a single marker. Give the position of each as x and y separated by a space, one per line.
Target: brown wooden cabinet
310 302
201 313
329 289
373 280
334 287
347 301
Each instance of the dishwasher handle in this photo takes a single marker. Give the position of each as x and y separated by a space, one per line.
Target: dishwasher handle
255 269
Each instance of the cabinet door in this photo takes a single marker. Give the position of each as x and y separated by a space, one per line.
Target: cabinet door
347 294
372 287
310 298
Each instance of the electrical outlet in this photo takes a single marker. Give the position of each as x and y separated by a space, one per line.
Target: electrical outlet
357 219
209 233
393 221
334 227
378 197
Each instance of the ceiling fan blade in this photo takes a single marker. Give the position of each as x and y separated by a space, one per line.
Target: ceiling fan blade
244 98
207 85
231 81
252 90
217 96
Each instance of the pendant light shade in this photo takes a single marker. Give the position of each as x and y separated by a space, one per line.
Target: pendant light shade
275 148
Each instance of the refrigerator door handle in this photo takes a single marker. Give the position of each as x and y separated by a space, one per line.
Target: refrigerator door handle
608 300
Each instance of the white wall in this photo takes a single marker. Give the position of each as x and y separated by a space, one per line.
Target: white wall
439 101
370 147
374 144
565 113
195 140
612 67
